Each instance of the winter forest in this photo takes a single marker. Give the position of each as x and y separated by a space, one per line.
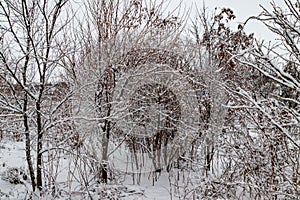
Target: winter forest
112 99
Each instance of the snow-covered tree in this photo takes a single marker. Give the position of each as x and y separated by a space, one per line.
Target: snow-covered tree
33 100
137 81
275 100
257 153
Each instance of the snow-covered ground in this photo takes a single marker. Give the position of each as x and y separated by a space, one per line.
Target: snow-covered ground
12 156
12 163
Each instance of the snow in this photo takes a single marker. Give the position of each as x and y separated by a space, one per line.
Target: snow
12 155
160 191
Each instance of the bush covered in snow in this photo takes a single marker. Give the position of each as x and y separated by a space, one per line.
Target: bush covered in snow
14 175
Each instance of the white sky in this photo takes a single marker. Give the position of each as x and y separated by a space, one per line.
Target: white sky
242 9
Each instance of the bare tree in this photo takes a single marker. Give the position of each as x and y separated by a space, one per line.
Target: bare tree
258 149
30 59
134 42
278 104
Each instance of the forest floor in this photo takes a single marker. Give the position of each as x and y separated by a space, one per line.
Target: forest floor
13 165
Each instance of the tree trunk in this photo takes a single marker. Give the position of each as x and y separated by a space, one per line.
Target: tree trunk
105 141
39 147
27 144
